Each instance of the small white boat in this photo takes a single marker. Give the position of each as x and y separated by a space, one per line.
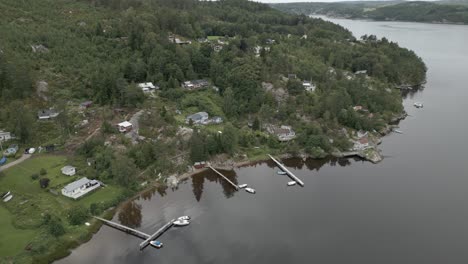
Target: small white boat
398 131
292 183
281 172
156 244
185 217
8 198
418 105
242 186
6 194
250 190
181 222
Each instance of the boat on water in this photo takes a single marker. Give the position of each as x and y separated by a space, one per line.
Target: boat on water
282 173
250 190
243 186
8 198
398 131
292 183
179 222
185 217
4 195
156 244
418 105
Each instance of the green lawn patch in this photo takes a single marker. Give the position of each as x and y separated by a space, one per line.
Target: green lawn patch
214 37
12 240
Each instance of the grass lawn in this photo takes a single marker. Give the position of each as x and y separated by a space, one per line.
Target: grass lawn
214 37
12 240
20 218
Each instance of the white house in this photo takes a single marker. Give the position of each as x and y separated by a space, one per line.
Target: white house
5 136
147 87
47 114
68 170
308 86
125 127
284 133
361 143
80 187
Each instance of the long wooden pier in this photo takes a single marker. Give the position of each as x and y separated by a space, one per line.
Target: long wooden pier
124 228
156 234
146 237
290 174
220 174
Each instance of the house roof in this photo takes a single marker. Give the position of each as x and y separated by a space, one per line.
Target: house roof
76 184
149 85
198 116
125 124
364 140
68 167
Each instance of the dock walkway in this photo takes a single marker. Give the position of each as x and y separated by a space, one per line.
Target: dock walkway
290 174
220 174
146 237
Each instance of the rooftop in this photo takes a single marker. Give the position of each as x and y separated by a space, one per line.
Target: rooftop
76 184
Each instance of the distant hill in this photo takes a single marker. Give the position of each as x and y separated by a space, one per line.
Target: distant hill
451 11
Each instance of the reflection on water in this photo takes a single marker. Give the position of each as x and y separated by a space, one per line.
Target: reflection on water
198 181
130 214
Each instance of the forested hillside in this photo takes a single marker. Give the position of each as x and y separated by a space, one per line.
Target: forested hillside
431 12
258 69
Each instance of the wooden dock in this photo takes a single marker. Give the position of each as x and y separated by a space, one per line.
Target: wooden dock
126 229
156 234
146 237
220 174
290 174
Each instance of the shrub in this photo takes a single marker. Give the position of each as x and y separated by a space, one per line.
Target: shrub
43 172
44 182
55 227
77 215
34 176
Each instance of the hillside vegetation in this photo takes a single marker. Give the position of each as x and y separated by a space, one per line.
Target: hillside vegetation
58 54
431 12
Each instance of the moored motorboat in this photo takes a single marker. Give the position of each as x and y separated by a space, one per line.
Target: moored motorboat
292 183
282 173
398 131
185 217
418 105
156 244
243 186
181 222
250 190
8 198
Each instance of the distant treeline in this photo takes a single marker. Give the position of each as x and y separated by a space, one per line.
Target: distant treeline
431 12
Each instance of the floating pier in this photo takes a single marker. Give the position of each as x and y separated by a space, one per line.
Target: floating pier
290 174
146 237
220 174
156 234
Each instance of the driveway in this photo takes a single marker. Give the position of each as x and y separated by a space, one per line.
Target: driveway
13 163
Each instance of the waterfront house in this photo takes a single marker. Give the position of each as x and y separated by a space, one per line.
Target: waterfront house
80 187
199 165
46 114
197 118
125 127
361 143
68 170
5 136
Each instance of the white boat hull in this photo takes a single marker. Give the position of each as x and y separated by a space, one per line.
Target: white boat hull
8 198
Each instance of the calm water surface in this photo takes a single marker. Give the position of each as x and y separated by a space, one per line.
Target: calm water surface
411 208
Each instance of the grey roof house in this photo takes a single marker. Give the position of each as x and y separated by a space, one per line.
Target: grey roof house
80 187
197 118
47 114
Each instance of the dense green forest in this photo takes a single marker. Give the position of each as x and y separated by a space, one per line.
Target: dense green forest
58 54
432 12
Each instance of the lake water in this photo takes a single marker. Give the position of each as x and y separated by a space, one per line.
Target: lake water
410 208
